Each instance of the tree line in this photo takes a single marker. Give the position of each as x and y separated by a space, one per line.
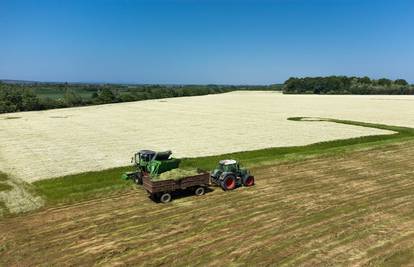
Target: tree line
347 85
16 97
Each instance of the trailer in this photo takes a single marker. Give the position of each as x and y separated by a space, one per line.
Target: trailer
162 190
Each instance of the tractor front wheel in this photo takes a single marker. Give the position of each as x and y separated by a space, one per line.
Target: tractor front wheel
229 182
248 181
165 198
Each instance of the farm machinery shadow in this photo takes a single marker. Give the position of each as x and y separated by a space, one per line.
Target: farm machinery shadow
179 194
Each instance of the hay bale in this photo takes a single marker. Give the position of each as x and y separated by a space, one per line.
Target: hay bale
175 174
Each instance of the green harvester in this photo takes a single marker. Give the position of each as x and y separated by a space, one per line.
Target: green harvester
150 163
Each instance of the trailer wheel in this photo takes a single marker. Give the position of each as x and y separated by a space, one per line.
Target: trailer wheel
248 181
229 182
199 191
165 198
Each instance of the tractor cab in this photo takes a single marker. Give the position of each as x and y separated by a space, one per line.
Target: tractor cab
228 174
228 165
142 157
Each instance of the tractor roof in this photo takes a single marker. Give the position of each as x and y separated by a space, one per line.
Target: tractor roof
227 161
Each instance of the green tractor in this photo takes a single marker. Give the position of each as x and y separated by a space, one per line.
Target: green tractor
229 175
148 162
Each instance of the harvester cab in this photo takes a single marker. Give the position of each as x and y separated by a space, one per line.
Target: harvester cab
148 162
229 175
142 158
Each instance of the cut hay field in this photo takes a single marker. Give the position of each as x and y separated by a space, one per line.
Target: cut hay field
351 209
45 144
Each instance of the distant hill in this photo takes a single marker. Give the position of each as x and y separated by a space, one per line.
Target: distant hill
17 81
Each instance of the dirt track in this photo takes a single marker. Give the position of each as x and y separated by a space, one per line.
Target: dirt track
354 210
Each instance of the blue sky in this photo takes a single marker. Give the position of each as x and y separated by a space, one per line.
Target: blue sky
225 42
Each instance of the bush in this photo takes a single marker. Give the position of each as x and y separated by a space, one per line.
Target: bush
346 85
18 99
72 99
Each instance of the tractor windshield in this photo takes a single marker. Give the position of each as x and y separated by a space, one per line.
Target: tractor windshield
230 168
141 158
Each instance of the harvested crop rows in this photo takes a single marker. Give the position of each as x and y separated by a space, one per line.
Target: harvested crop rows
45 144
352 209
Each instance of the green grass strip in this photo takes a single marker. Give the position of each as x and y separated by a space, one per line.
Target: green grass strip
3 176
72 188
5 187
77 187
4 211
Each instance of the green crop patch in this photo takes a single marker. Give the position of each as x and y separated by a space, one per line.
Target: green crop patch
5 187
4 211
175 174
3 176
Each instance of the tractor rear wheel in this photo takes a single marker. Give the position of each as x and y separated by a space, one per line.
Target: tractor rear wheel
165 198
229 182
248 181
199 191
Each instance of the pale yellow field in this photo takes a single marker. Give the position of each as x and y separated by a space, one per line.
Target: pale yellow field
45 144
